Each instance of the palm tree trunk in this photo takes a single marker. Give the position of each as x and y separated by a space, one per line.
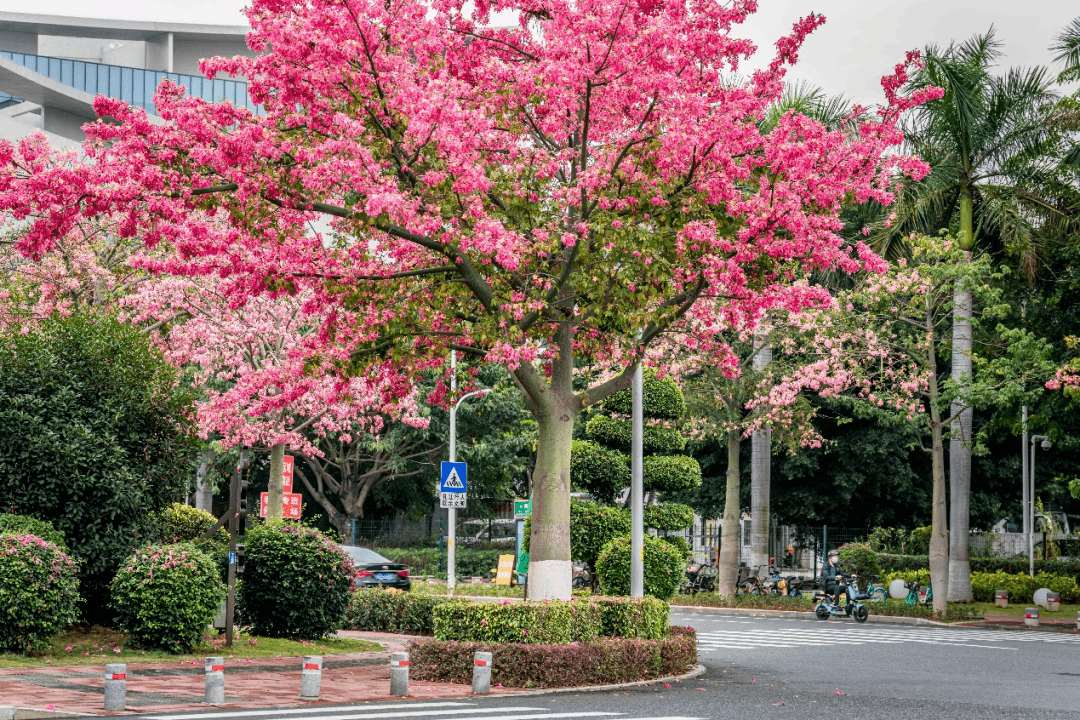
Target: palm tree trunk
728 572
960 448
275 492
760 466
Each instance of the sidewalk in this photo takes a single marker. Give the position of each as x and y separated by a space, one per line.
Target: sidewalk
257 683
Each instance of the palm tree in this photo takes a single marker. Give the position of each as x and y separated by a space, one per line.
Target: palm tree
989 145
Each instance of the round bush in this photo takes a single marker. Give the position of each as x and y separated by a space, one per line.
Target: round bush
26 525
183 523
661 398
39 590
670 473
598 470
669 516
664 568
296 582
165 596
859 558
616 433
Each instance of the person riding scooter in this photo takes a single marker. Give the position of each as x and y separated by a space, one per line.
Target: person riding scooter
830 576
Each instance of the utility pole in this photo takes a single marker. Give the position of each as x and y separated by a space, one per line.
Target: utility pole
1031 493
637 493
237 527
451 520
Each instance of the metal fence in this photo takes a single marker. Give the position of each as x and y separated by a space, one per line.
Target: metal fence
481 522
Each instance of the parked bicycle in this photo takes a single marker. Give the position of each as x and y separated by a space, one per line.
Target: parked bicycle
913 593
700 578
753 584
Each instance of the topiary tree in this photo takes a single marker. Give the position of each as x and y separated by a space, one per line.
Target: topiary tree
592 526
601 464
95 437
11 524
39 589
165 596
664 567
296 582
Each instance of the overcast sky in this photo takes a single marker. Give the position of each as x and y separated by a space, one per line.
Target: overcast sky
860 42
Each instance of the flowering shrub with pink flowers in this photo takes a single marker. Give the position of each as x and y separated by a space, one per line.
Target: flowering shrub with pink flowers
164 596
39 589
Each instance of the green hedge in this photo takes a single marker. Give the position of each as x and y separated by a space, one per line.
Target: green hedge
598 470
547 622
669 516
661 398
425 561
379 610
644 618
898 563
1020 586
665 567
604 661
26 525
616 433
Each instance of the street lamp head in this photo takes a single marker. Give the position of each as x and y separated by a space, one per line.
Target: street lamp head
1045 444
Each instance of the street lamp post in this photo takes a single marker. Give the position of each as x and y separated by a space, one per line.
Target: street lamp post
637 494
451 520
1045 441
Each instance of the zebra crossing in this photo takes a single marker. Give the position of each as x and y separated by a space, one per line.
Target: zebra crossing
822 634
404 710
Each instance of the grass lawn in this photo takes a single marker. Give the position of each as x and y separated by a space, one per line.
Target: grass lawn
1067 612
98 645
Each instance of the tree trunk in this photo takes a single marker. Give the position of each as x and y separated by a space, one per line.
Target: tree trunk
275 492
939 543
960 449
760 466
728 572
204 495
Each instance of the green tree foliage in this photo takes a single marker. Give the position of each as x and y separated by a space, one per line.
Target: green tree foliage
669 516
165 596
296 582
95 437
601 471
40 591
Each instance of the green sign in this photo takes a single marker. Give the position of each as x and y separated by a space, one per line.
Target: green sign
523 563
522 507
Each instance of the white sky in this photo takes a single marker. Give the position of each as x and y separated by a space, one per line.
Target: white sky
860 42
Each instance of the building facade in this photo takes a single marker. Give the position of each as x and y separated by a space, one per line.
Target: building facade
52 67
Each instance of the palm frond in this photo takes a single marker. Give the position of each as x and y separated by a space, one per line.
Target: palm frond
1067 47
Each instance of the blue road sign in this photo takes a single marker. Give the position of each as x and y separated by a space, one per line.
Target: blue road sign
453 477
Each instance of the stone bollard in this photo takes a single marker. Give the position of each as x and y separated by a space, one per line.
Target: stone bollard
1031 617
399 674
116 686
1001 598
1078 619
1053 602
481 673
215 681
312 677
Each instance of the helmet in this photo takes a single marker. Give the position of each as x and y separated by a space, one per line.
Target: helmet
791 548
834 553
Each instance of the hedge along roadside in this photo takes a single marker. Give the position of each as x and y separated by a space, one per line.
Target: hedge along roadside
394 611
1020 586
604 661
898 563
550 622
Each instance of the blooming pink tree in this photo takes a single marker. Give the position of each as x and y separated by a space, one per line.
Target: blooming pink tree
555 194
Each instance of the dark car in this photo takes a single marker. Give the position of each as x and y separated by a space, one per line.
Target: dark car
373 570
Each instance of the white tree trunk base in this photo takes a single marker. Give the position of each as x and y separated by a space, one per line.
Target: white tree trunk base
550 579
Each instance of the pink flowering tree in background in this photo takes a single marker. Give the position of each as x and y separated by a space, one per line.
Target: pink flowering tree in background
566 191
901 325
249 364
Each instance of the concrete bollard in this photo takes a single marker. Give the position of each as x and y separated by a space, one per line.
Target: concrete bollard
1053 602
116 686
1031 617
311 680
481 673
1078 620
1001 598
399 674
215 681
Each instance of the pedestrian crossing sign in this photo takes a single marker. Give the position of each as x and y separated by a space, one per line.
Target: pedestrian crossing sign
453 477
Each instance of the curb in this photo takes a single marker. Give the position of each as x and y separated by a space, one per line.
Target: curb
799 615
12 712
698 670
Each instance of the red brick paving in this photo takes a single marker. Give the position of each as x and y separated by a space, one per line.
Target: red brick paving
246 687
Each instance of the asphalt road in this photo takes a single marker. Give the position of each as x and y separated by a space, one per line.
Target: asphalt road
773 668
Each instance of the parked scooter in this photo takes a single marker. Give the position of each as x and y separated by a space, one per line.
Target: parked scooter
829 605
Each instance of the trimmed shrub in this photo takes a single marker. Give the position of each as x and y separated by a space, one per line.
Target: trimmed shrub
920 540
661 398
39 589
645 618
860 559
1012 566
11 524
664 568
547 622
616 434
1021 587
669 516
183 523
681 544
670 473
592 526
598 470
602 662
297 583
390 610
164 596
